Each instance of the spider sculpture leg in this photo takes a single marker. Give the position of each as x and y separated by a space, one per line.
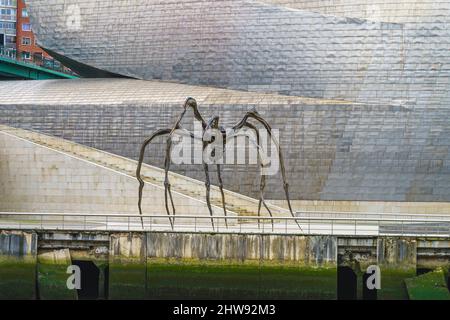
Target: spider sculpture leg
262 184
167 185
213 124
189 103
219 177
255 115
146 143
208 192
158 133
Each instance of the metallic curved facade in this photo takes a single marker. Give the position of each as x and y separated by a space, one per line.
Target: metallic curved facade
389 140
334 150
394 51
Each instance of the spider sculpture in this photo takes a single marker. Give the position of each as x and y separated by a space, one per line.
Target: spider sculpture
213 123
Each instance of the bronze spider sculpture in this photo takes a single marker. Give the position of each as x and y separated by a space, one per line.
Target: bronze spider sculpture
213 123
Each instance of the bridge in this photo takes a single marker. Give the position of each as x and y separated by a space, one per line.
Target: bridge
12 67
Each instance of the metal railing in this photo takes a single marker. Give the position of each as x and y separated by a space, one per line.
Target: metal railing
232 224
372 215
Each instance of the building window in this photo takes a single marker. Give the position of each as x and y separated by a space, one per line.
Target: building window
26 55
26 41
8 14
24 13
9 3
26 27
10 40
7 25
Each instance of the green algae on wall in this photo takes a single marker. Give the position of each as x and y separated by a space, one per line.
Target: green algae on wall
221 266
397 258
17 278
53 276
222 280
127 271
393 283
17 265
229 266
429 286
127 280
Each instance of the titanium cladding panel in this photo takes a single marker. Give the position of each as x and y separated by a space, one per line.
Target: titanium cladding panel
388 52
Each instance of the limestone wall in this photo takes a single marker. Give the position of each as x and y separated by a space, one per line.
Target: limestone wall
35 178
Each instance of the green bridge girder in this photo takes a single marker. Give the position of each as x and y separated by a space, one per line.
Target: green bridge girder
12 69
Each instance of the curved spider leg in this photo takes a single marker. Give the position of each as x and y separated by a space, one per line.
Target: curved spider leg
189 103
139 167
167 185
255 115
213 123
219 177
208 192
263 178
167 162
262 183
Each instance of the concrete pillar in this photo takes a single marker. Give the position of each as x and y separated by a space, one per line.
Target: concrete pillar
397 253
397 259
127 266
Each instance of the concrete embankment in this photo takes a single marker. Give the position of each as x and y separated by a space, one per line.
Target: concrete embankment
172 265
177 265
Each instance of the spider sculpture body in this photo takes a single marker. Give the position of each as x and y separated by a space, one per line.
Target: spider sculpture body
213 123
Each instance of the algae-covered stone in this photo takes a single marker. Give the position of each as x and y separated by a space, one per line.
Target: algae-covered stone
53 276
430 286
209 279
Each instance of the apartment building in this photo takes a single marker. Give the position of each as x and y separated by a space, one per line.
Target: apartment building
16 34
8 24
